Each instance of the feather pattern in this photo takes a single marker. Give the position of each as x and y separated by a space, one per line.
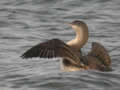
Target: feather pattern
54 48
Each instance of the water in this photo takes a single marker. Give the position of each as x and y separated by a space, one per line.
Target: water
24 23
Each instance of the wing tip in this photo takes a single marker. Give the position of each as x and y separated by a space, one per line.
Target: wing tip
23 56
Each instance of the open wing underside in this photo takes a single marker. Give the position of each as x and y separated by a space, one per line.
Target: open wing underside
53 48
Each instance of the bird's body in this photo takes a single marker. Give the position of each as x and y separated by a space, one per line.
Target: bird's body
72 59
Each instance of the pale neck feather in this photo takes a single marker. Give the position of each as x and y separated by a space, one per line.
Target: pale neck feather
80 39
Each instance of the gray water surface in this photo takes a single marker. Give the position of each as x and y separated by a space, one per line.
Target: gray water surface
25 23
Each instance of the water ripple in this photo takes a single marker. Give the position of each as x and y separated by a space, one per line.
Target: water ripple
24 23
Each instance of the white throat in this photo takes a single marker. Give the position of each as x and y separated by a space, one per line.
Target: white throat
80 39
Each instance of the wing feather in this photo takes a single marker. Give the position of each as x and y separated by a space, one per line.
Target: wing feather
47 53
54 48
44 52
100 52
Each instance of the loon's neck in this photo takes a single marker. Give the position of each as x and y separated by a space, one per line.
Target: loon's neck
80 39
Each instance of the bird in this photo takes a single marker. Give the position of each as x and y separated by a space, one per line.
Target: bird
72 58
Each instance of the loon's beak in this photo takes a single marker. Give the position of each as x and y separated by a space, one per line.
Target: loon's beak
72 25
69 24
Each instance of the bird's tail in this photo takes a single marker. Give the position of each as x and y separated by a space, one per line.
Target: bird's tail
101 53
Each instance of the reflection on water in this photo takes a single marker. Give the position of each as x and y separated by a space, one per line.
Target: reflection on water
24 23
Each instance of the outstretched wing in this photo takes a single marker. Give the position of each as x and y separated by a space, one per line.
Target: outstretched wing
53 48
43 50
100 52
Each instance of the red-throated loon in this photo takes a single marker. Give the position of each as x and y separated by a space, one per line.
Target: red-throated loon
72 58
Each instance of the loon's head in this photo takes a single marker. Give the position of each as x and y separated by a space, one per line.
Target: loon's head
77 24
